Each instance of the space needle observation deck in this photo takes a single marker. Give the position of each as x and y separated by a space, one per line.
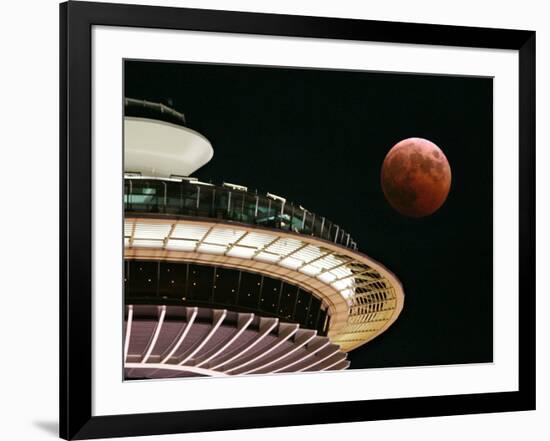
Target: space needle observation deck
221 280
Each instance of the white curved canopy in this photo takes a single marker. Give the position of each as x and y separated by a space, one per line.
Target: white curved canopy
158 148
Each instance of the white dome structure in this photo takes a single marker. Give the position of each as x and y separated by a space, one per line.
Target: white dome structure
157 142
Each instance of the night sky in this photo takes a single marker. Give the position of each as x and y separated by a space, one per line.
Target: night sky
318 138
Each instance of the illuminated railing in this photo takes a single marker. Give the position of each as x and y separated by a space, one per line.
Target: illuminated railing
188 197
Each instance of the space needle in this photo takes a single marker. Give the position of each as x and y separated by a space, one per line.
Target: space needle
220 280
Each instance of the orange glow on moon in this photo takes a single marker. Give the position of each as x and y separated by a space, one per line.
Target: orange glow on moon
416 177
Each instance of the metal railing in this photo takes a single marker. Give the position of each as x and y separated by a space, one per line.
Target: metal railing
189 197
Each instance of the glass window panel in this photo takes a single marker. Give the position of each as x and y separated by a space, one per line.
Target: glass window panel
313 313
206 200
288 298
172 280
268 213
142 279
220 203
286 217
302 305
334 229
249 293
326 229
173 197
277 213
317 223
269 297
189 198
147 196
249 208
338 235
200 283
127 195
226 286
237 205
297 219
308 225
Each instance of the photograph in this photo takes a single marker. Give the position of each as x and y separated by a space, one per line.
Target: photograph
289 220
275 220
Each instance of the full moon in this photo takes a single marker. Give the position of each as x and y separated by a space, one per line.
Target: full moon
416 177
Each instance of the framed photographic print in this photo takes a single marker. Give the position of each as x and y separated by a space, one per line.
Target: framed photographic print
283 220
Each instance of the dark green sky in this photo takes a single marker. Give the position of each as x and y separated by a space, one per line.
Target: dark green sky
319 137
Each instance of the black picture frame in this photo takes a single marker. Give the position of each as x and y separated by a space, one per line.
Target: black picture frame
76 21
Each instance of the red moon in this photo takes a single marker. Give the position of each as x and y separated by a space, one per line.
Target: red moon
416 177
